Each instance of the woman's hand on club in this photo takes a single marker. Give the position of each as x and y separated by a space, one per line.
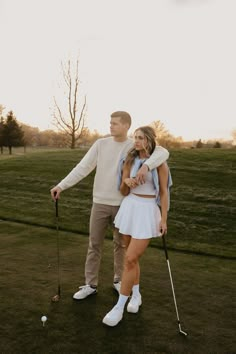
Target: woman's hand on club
163 228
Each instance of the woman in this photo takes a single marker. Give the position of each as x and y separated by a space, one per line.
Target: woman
139 218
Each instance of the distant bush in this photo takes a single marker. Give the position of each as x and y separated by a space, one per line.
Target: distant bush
217 145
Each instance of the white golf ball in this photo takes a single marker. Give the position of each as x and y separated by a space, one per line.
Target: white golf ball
44 318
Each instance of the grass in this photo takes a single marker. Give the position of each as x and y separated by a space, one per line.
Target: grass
203 198
204 290
201 242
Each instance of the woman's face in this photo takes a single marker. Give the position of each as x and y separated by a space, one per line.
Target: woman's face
140 141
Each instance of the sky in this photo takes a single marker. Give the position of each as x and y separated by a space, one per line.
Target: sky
167 60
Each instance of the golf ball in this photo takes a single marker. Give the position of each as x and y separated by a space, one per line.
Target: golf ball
44 318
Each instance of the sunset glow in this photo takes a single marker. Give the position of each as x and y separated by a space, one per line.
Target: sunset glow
171 60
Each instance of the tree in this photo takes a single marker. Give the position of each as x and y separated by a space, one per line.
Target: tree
164 138
217 145
31 135
12 133
199 144
234 136
88 137
1 134
72 122
1 127
1 109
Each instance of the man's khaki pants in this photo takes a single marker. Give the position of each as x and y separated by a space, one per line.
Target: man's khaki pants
101 217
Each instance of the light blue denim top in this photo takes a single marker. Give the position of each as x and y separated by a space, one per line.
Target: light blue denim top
135 167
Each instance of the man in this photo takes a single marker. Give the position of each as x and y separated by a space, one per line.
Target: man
105 155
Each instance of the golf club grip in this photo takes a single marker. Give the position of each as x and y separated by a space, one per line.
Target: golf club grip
164 245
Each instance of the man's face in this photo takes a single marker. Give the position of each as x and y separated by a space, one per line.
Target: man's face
117 128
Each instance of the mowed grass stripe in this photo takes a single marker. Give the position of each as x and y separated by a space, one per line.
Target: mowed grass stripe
203 197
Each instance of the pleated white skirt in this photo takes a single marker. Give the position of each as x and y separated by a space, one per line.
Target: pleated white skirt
138 217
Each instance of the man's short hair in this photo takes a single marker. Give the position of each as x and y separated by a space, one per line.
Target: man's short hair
124 117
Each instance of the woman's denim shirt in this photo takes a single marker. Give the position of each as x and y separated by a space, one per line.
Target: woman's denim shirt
135 167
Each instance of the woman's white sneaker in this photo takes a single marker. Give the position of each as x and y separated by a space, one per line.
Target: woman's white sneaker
84 292
113 317
135 302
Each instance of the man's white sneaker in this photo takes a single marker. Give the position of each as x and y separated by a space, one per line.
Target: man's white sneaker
113 317
117 286
135 302
84 292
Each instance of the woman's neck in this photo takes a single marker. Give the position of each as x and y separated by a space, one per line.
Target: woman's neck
143 155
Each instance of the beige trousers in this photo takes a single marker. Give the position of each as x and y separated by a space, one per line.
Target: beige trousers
101 217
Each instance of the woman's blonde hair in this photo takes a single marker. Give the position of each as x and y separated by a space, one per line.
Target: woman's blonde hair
150 135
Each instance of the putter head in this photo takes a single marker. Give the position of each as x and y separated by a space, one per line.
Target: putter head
55 298
183 333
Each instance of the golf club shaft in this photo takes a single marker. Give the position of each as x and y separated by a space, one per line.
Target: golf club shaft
56 207
171 281
58 247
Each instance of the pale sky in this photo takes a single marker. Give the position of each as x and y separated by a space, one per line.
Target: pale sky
167 60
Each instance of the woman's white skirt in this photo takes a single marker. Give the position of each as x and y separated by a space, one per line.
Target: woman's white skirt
138 217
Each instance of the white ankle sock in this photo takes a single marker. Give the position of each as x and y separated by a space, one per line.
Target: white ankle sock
135 290
122 301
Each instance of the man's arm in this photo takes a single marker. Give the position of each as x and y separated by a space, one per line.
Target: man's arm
80 171
157 158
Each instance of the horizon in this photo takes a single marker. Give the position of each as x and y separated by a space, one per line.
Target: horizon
130 134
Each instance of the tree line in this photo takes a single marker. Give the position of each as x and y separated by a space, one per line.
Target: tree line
16 134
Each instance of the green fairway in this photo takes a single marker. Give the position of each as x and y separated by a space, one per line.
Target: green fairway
204 290
201 241
203 198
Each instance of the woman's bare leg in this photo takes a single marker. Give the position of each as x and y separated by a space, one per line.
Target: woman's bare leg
131 271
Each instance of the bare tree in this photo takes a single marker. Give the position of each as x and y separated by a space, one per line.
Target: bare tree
72 121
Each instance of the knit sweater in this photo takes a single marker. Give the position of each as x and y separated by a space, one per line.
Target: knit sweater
104 155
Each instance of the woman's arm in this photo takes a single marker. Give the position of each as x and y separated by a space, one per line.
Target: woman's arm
126 182
163 184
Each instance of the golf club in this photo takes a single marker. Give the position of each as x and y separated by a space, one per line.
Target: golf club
172 286
56 298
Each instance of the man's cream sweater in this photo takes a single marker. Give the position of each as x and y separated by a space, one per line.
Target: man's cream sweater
104 155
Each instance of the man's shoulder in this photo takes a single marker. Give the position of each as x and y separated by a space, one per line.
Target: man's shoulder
110 140
105 140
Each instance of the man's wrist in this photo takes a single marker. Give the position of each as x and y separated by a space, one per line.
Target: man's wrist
147 166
